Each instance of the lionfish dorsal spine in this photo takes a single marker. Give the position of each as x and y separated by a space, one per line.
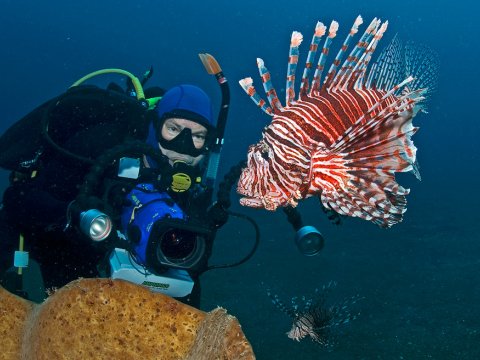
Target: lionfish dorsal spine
391 92
341 80
320 30
393 66
293 53
341 53
362 65
268 86
247 85
361 56
332 32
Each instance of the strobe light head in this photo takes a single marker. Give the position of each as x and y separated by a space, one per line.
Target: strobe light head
309 240
95 224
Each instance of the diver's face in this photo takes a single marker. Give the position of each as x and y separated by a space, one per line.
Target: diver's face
171 128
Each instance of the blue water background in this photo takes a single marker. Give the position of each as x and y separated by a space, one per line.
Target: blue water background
419 279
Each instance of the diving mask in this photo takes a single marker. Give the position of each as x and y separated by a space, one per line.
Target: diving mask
182 143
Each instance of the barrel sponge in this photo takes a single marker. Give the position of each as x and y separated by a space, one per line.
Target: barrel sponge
14 312
115 319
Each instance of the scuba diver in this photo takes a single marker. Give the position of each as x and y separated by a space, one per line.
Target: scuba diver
114 182
119 183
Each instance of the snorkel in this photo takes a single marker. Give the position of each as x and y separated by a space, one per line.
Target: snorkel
213 68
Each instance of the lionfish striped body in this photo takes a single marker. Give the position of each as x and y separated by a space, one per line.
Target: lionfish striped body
342 139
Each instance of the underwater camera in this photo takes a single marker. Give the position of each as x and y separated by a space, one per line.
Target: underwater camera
163 244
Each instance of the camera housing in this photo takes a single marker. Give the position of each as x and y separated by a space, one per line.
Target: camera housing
160 234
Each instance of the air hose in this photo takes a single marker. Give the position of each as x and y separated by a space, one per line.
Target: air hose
223 200
136 83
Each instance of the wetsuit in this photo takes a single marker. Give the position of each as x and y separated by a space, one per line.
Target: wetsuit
37 200
37 205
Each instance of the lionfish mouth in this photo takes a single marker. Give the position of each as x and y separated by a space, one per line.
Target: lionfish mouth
263 202
251 202
269 201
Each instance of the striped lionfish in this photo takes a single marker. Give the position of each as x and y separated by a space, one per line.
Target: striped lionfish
342 139
313 317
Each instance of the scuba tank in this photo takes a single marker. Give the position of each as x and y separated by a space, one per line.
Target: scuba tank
106 113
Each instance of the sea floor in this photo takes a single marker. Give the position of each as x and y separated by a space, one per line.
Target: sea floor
418 280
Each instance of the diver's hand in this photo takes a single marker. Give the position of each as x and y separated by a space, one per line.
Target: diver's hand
334 217
217 215
88 202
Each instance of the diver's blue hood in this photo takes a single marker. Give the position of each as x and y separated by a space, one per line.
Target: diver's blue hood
187 102
183 101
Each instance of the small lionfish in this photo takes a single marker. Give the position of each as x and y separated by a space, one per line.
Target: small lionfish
344 139
315 318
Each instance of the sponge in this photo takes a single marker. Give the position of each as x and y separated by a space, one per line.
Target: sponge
105 319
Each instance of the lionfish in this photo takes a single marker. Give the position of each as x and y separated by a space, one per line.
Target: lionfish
315 318
344 138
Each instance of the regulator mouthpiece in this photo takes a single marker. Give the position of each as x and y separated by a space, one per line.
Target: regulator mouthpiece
309 240
95 224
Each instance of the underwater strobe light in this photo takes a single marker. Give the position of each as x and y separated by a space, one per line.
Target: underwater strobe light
309 240
95 224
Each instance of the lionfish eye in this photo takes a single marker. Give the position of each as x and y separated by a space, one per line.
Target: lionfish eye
263 149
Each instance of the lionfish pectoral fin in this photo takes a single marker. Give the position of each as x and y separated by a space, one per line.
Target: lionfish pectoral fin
357 173
416 170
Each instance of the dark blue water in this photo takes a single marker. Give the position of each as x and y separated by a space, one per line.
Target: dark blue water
419 279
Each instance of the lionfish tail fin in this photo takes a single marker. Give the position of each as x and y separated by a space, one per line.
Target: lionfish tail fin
357 172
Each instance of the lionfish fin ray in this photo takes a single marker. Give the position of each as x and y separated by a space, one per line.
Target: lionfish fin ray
346 70
247 85
422 63
295 42
268 86
357 172
317 76
333 76
389 69
320 30
418 62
